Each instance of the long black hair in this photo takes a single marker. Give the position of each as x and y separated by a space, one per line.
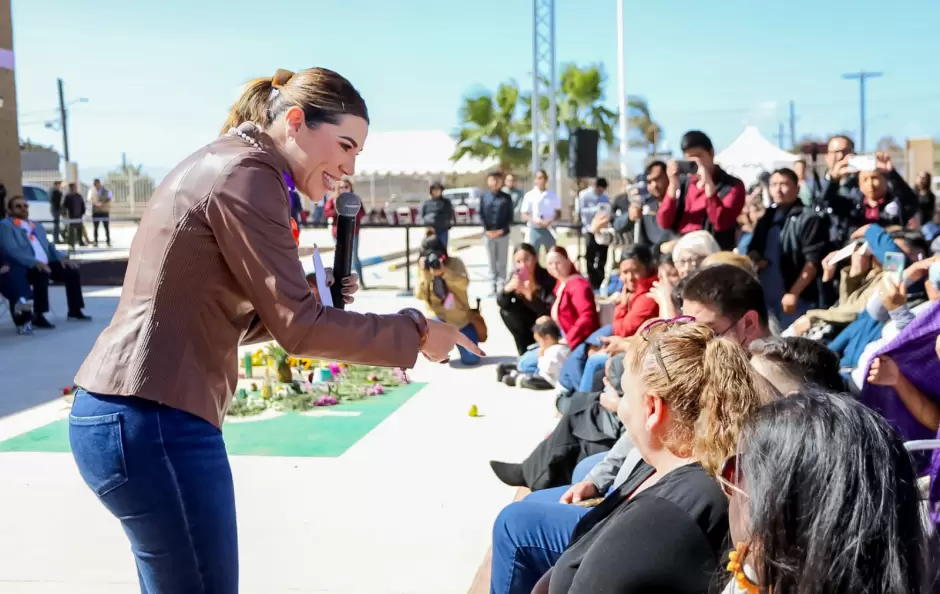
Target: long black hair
833 501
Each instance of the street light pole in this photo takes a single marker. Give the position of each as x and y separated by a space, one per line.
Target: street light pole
861 77
622 92
63 122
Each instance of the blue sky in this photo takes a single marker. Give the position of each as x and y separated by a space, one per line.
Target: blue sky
159 76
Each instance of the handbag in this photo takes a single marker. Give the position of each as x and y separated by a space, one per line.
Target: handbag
479 324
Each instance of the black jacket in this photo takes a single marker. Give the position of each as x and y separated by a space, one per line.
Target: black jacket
496 211
803 238
437 213
55 201
542 300
846 208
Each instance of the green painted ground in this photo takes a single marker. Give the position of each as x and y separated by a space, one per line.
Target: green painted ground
289 435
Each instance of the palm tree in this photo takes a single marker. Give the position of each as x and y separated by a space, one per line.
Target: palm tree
492 129
647 133
580 105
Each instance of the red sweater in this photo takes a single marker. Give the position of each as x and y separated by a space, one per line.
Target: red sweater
722 209
329 212
576 310
639 308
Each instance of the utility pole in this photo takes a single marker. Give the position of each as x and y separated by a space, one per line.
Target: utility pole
861 77
622 92
63 122
792 123
780 134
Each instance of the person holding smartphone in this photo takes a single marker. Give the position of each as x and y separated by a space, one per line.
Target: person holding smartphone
527 296
701 195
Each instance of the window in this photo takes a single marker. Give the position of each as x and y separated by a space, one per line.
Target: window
34 194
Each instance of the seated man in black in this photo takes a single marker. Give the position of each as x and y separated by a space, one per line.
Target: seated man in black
30 257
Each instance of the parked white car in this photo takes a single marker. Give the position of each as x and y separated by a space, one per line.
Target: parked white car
39 209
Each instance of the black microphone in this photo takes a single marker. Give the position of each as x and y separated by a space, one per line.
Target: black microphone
347 207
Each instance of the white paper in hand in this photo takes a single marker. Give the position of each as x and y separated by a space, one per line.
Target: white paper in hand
325 296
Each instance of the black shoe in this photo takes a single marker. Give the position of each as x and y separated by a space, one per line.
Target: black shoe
510 474
40 321
504 369
510 380
80 316
534 382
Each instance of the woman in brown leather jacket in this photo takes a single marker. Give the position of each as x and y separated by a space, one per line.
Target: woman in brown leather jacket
214 265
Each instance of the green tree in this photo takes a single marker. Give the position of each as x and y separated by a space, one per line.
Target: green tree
580 105
645 132
492 128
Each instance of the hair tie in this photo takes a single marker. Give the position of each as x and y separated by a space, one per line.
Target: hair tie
281 78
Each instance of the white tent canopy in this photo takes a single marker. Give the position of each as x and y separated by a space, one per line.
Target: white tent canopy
423 151
751 154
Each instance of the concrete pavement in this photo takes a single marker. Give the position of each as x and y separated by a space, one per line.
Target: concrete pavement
408 509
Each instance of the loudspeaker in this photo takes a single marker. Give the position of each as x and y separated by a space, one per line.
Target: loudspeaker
582 153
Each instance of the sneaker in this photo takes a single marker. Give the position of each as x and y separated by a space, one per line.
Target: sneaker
26 328
504 369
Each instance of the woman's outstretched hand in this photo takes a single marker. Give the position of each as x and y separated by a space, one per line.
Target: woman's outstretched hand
442 338
350 284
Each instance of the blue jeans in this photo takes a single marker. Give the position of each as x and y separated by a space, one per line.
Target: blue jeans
573 368
530 535
357 265
593 363
165 475
442 235
466 357
529 361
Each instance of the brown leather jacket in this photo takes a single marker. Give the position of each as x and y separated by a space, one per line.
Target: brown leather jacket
214 265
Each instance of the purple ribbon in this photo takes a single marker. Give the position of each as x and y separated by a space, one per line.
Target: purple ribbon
291 186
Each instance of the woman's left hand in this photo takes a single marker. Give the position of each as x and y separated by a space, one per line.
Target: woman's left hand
350 284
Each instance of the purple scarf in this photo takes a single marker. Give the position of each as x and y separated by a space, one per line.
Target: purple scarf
914 350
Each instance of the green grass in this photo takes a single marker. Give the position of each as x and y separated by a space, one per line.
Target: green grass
289 435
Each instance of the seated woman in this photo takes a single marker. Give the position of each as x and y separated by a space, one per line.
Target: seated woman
824 498
635 306
442 285
527 296
688 254
574 308
531 534
685 393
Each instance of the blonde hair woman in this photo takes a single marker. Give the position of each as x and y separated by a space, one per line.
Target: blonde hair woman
686 392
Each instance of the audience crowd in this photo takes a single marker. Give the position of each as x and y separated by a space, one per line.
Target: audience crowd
736 391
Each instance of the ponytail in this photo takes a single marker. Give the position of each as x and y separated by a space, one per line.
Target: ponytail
251 106
728 396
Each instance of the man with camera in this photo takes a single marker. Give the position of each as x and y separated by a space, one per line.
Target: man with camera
635 211
701 195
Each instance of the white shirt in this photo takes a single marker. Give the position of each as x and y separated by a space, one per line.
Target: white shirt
41 254
539 205
551 361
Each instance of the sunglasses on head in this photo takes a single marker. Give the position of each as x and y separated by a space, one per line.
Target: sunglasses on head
663 324
729 478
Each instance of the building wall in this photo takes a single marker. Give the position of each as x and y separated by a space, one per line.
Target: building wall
10 170
921 154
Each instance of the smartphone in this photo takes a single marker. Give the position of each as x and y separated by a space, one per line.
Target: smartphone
523 274
845 252
687 167
894 266
862 163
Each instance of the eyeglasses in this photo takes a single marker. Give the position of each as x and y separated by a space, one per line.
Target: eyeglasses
728 477
663 324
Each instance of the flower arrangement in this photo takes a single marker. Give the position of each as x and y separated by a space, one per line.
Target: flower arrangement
300 384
